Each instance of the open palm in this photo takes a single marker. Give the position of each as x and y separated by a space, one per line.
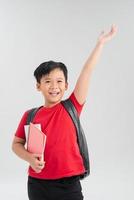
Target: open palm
104 37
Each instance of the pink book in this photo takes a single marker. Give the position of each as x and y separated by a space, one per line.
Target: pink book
36 140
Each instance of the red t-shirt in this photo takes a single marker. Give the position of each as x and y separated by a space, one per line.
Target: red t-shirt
62 156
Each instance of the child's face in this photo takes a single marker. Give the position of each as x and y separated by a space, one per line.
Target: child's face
53 86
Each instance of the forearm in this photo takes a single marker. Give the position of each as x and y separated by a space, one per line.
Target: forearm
33 159
85 75
94 57
21 152
82 85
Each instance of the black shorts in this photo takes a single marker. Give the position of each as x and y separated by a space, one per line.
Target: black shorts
60 189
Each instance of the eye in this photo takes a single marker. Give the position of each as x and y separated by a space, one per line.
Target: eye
59 81
47 81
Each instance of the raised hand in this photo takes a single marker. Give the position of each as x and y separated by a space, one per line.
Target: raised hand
104 37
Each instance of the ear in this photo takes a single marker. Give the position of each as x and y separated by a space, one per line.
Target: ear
38 86
66 86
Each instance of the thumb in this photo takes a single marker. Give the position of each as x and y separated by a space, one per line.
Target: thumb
37 155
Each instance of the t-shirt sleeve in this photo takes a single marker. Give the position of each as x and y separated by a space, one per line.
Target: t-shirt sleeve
75 102
20 132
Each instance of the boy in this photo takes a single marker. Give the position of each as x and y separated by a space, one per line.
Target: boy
57 177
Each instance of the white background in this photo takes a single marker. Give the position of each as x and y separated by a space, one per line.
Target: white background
34 31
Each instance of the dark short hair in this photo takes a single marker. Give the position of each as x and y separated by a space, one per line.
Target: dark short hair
46 67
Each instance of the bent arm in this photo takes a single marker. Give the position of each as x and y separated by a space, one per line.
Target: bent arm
18 147
33 159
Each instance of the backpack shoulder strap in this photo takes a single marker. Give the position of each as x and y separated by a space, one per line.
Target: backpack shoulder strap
81 139
31 113
72 112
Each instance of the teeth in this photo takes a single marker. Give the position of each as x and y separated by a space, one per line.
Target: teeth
54 94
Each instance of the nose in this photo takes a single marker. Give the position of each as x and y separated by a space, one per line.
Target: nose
54 85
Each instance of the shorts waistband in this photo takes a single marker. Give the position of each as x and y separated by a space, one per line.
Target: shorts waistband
61 180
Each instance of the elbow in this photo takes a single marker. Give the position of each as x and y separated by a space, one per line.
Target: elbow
17 143
13 147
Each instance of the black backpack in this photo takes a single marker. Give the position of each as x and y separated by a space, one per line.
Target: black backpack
81 139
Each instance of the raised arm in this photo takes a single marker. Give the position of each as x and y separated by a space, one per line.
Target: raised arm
82 84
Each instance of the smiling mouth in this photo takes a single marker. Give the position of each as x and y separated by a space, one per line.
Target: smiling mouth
54 93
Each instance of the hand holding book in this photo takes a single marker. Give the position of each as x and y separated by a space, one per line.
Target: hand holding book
36 162
36 141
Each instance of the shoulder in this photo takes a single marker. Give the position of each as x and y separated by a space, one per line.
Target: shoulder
75 102
25 116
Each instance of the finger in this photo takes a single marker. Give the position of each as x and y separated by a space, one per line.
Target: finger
40 162
114 28
39 156
40 167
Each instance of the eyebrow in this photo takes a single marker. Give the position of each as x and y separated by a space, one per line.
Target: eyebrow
50 78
